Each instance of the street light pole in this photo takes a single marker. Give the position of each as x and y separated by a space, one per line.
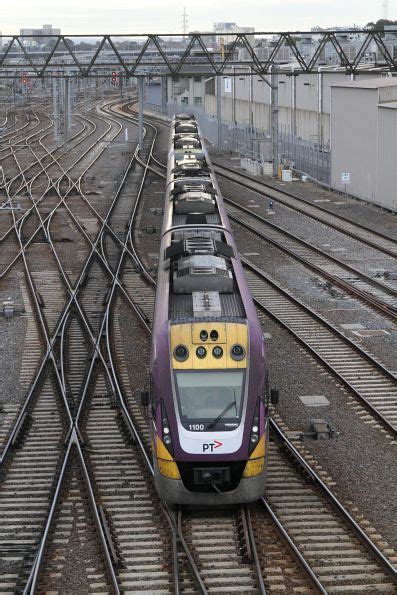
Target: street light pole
140 118
219 109
274 113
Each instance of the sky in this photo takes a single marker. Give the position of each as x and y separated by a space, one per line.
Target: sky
165 16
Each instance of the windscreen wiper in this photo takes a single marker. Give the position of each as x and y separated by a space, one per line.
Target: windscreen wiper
226 409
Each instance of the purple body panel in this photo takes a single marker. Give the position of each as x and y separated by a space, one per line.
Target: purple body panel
161 358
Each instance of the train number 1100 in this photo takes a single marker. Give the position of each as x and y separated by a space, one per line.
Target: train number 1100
196 427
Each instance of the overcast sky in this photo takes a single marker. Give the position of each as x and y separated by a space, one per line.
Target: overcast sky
165 16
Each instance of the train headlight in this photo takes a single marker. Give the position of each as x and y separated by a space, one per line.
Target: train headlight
181 353
166 433
217 352
237 352
254 436
201 352
203 335
214 335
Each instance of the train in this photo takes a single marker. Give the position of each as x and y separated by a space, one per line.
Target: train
209 395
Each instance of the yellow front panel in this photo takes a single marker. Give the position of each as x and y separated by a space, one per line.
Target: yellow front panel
229 334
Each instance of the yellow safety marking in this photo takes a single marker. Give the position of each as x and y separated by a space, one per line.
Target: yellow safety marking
162 451
168 469
256 462
229 334
166 463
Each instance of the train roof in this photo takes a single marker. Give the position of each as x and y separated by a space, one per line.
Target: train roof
200 253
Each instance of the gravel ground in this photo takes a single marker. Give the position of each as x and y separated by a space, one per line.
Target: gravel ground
331 302
12 334
332 242
74 561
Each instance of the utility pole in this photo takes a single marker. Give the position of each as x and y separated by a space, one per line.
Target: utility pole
164 80
219 109
56 108
293 82
274 112
140 118
66 108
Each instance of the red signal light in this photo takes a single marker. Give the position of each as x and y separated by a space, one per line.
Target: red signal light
114 77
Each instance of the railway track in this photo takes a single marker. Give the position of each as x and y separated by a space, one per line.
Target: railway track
307 533
51 344
367 379
109 417
92 380
378 295
380 242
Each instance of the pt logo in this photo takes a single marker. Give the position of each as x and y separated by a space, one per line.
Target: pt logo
210 446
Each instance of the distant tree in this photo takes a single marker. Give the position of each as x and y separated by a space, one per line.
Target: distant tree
84 46
380 24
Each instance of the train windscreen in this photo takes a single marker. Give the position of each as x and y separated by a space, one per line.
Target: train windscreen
210 398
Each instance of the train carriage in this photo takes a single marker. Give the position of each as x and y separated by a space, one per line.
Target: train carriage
208 371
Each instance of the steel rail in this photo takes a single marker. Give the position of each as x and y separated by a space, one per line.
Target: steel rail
275 428
379 416
54 161
271 189
382 306
254 551
31 584
35 569
56 185
49 354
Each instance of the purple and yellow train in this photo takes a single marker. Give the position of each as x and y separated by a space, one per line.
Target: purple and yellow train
209 414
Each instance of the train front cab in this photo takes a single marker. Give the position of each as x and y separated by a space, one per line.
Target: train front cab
204 480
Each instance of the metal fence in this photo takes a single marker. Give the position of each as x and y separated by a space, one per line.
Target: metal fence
307 156
254 143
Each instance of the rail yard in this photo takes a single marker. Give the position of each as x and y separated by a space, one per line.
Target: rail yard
80 235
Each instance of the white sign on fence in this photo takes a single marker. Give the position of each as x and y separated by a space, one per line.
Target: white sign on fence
345 177
228 85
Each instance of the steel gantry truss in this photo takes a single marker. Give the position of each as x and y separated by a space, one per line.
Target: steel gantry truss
164 55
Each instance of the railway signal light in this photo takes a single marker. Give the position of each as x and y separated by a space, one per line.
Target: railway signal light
24 78
114 77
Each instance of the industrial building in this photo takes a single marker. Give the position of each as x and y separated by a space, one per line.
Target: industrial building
364 139
39 36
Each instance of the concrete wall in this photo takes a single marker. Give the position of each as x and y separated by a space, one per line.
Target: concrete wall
354 140
304 102
386 191
364 143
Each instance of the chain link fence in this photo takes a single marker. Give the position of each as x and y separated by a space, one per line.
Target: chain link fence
307 156
255 143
